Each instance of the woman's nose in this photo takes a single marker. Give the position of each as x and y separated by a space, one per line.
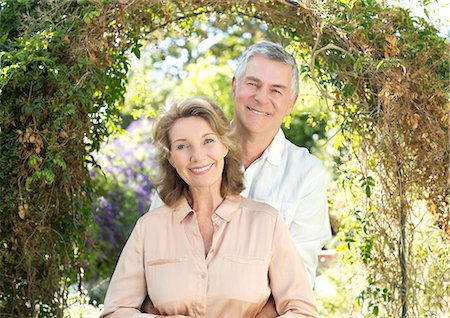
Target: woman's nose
197 153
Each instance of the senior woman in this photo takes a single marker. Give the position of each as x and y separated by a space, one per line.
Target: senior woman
208 252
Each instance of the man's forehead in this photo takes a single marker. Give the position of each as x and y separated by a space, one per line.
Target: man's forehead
278 75
275 65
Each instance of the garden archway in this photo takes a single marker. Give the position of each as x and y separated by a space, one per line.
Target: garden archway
64 71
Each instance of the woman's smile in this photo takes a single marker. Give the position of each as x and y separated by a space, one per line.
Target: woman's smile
201 170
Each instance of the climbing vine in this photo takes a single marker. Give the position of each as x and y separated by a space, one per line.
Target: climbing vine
62 82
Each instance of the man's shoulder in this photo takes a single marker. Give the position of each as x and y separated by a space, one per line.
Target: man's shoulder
257 206
295 155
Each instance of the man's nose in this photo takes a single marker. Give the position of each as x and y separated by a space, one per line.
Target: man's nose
262 95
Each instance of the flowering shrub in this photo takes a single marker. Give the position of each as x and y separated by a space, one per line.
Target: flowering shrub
79 306
123 191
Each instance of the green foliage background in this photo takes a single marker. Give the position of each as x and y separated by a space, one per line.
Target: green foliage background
385 79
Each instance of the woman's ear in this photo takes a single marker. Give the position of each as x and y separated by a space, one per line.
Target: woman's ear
169 158
225 151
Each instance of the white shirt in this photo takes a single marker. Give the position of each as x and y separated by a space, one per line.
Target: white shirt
293 181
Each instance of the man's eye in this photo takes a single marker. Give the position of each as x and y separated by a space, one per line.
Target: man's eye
276 91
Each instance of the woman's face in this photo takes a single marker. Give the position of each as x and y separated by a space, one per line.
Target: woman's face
197 153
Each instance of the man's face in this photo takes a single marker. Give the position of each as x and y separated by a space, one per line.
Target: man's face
262 97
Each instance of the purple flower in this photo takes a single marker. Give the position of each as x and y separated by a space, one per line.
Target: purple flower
123 192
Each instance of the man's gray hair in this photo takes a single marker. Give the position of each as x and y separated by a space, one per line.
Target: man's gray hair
272 51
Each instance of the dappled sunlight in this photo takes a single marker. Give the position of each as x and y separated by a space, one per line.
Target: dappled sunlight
375 109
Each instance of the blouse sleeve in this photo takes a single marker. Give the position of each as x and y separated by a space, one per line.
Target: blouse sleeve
128 289
289 281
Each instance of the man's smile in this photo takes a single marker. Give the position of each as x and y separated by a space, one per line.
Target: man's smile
257 112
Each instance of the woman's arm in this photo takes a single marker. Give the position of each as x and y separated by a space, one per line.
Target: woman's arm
128 289
289 281
268 311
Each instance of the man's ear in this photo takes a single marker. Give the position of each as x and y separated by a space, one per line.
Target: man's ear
233 86
293 100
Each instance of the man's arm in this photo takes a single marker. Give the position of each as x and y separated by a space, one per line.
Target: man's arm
310 227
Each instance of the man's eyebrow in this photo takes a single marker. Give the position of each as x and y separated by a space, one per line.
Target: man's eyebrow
257 80
279 86
252 78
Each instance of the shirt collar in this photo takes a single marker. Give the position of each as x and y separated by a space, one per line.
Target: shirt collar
274 151
225 210
182 209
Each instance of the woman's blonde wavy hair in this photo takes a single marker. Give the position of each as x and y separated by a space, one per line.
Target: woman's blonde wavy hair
171 187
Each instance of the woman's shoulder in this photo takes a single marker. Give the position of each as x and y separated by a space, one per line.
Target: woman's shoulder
156 214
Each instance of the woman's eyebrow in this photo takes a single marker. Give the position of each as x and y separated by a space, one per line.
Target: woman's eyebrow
204 135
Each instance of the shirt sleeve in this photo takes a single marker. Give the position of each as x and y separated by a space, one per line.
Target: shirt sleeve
128 289
289 281
310 227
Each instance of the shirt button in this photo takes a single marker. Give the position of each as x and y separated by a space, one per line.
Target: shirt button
203 276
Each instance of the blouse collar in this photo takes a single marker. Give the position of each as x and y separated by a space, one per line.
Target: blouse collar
225 210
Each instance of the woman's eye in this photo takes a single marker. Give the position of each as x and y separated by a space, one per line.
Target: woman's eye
209 140
181 147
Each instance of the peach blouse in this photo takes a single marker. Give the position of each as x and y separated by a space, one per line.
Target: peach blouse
251 256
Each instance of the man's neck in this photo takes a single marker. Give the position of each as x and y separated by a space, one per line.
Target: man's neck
253 146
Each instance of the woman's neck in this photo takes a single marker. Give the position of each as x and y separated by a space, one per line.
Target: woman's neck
205 201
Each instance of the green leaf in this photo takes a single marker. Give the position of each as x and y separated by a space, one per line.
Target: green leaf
349 89
368 192
87 19
28 183
59 161
136 50
287 121
380 64
33 160
367 183
48 175
4 38
375 310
